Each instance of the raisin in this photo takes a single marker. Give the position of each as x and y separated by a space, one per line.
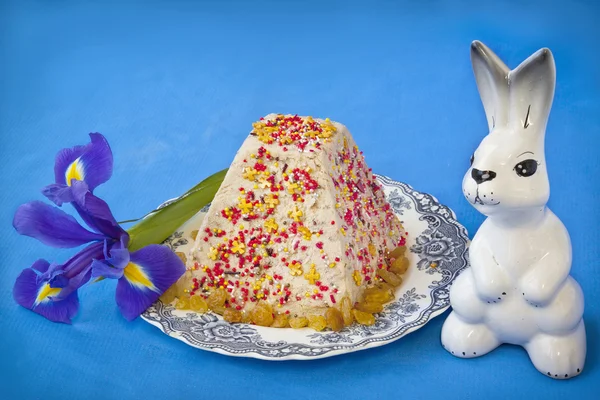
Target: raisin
231 315
298 322
363 318
397 252
335 320
389 277
369 307
262 315
169 295
181 256
217 299
346 308
280 321
317 322
183 303
376 295
197 303
399 265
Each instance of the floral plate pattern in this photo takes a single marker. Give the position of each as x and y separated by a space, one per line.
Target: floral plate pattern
438 247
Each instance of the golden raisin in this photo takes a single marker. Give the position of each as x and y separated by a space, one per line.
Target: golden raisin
298 322
363 318
397 252
262 315
169 295
231 315
317 322
400 265
183 303
246 317
280 321
181 256
376 295
197 303
335 320
217 299
389 277
386 286
346 308
369 307
184 283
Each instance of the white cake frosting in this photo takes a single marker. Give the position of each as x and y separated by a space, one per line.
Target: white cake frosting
299 221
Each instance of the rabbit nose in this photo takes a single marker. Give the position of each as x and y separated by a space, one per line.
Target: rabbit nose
482 176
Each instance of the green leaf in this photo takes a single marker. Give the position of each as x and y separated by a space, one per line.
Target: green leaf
157 226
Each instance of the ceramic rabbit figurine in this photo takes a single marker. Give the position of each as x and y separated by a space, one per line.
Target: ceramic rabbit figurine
518 289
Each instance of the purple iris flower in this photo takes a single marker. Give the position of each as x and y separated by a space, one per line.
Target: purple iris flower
51 289
81 167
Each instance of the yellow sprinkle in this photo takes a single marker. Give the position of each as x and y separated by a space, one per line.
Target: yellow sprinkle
357 278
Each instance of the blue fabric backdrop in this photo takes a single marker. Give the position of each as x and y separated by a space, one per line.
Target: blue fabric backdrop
175 85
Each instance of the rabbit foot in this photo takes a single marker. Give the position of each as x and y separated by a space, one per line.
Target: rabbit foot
559 357
466 340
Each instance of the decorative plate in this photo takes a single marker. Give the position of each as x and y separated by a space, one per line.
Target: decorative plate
438 252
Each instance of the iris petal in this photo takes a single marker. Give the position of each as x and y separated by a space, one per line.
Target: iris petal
37 295
92 163
150 272
101 268
97 215
58 194
78 269
51 226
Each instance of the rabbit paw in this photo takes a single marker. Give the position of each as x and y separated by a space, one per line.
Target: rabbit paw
536 292
491 292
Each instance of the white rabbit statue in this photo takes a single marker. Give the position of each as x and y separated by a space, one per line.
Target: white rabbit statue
517 289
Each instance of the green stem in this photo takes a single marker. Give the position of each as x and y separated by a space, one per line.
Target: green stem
156 226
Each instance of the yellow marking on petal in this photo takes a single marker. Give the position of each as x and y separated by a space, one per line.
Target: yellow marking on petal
74 171
135 274
45 292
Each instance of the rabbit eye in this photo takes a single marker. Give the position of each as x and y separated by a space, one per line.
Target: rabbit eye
526 168
472 158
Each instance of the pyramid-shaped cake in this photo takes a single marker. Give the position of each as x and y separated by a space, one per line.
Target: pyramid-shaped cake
299 232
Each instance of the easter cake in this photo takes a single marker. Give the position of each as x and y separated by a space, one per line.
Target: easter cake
299 233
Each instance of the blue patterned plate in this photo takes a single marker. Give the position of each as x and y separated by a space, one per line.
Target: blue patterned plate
438 252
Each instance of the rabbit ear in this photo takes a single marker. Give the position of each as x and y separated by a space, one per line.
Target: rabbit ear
531 91
491 75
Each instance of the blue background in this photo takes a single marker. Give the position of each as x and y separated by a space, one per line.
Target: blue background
175 85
